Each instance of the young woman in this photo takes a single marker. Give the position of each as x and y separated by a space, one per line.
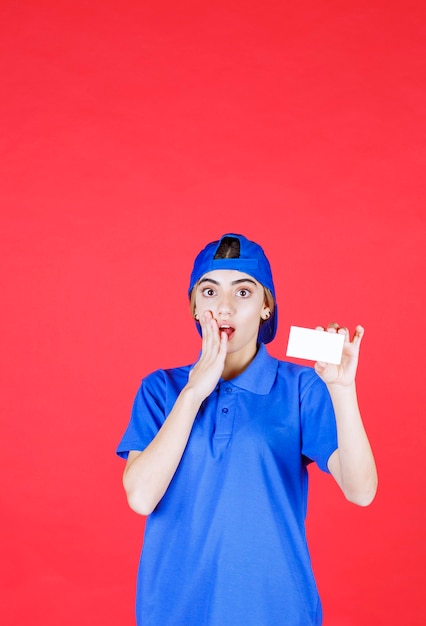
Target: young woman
217 457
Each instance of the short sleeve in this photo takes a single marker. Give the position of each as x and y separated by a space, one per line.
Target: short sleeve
319 433
147 416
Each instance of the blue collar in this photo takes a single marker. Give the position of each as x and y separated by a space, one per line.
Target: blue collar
259 375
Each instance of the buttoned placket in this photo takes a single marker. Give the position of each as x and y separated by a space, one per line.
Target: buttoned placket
225 412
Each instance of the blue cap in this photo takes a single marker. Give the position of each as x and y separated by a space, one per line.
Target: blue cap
252 261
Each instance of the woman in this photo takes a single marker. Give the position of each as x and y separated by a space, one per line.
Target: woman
217 457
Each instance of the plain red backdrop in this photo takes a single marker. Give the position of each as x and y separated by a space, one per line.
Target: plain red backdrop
133 133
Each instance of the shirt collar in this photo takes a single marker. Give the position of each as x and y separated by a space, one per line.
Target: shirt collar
259 375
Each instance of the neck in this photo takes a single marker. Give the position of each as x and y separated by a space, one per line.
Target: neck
237 362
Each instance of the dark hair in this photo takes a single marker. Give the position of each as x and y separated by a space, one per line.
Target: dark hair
229 248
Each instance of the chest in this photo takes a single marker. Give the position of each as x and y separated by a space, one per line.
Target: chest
244 425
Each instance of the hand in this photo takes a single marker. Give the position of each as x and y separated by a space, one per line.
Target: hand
343 374
208 370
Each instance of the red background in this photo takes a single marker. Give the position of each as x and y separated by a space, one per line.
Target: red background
132 134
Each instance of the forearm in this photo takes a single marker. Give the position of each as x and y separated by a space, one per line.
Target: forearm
352 465
148 474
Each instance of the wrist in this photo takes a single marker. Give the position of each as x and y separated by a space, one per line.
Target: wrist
192 395
339 389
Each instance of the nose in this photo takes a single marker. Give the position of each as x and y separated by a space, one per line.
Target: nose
225 307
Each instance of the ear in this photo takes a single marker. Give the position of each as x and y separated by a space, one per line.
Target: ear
196 318
266 313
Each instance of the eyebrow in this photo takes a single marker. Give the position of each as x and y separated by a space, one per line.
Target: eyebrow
234 282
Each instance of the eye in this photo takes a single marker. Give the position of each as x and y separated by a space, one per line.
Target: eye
208 292
243 292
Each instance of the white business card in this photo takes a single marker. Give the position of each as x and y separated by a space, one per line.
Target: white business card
315 345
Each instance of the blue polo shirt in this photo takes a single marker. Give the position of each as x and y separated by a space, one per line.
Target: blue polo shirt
226 545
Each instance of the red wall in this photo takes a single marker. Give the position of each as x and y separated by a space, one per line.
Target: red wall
133 133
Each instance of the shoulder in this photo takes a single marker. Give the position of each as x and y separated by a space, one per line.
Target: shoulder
296 371
162 378
160 388
303 376
282 374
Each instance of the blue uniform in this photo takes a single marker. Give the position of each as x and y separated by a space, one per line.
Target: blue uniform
226 545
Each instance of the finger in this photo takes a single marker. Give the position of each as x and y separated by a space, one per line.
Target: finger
326 371
333 327
320 366
344 331
319 328
204 323
212 335
358 335
223 344
205 317
207 330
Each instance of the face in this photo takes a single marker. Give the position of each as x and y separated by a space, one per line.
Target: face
237 303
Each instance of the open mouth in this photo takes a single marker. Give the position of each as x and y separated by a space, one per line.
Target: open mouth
225 328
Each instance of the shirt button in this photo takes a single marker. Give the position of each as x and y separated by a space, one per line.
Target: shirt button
225 410
228 390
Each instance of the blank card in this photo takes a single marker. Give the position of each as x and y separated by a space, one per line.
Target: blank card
315 345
